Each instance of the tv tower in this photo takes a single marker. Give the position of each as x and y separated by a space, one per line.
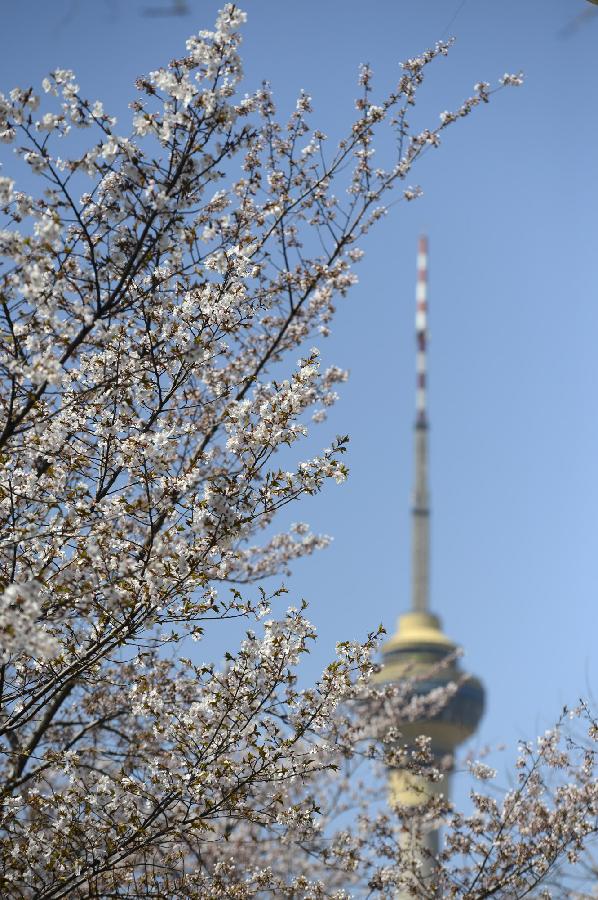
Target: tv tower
419 646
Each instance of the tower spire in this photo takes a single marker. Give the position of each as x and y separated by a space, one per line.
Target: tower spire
421 327
421 504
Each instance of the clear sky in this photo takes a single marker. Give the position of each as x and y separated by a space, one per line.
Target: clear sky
510 205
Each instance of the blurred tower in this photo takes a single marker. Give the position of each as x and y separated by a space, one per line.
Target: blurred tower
419 645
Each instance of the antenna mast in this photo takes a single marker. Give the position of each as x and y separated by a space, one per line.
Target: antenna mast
421 502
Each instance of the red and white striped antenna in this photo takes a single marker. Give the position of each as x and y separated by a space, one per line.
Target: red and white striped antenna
421 501
421 328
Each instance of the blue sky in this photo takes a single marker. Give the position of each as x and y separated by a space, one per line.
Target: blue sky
509 204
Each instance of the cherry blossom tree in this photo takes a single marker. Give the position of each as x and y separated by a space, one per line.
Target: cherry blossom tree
154 294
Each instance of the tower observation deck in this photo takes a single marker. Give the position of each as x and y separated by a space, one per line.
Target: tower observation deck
419 649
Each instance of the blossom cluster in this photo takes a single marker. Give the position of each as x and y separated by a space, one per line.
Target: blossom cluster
21 629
